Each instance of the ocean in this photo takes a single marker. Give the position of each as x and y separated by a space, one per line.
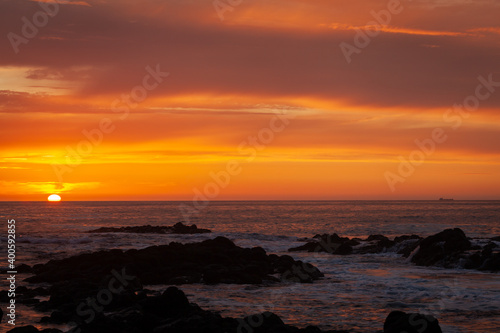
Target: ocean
358 291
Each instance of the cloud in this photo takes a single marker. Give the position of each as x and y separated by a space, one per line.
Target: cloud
115 44
227 78
397 30
65 2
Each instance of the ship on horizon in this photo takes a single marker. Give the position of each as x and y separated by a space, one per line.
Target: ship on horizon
443 199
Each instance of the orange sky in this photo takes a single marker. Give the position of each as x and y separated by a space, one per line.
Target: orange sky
260 105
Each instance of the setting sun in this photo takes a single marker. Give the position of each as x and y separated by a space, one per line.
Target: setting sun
54 197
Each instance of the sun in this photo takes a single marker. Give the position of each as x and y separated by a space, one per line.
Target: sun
54 197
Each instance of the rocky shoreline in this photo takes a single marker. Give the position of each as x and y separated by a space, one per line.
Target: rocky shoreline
212 261
178 228
450 248
171 312
103 291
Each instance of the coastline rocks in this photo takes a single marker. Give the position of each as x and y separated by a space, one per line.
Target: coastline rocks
442 249
398 321
491 263
103 291
328 243
24 295
24 329
212 261
178 228
335 244
23 268
172 312
449 248
32 329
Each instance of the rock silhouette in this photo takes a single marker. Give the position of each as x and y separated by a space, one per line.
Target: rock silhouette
398 322
450 248
178 228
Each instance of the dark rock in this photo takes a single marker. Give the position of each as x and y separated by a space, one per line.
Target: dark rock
335 244
175 298
309 247
353 242
474 261
399 239
4 296
491 264
171 312
325 243
298 271
267 322
178 228
344 249
23 268
381 244
443 248
22 289
32 329
398 321
497 239
24 329
488 248
377 238
212 261
407 246
333 238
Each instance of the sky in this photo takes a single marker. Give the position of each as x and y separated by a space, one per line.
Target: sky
249 100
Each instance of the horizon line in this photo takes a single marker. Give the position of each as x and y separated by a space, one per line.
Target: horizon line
257 200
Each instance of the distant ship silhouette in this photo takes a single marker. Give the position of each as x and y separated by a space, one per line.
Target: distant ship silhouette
443 199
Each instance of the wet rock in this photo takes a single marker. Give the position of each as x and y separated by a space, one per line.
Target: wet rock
378 244
325 243
212 261
377 238
333 238
488 248
474 261
171 312
268 321
398 321
344 249
399 239
32 329
442 249
335 244
178 228
23 268
407 244
24 329
449 248
309 247
492 263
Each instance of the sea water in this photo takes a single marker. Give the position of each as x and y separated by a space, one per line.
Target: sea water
358 291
